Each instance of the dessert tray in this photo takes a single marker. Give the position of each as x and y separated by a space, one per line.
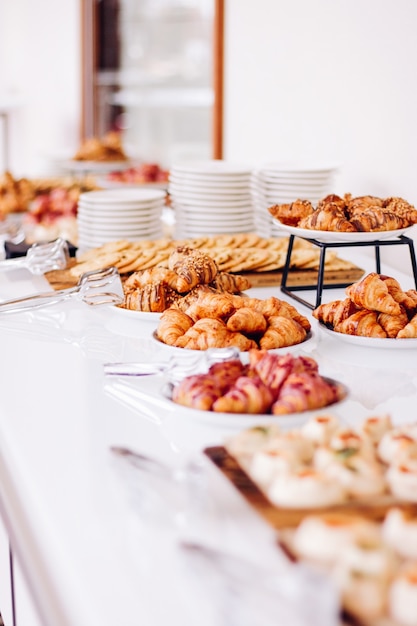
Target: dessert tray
340 237
370 342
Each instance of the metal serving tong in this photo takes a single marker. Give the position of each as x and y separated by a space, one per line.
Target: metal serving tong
41 258
96 287
177 367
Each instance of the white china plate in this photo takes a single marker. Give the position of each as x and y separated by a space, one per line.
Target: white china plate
140 316
331 236
371 342
215 167
125 195
93 166
242 419
197 184
293 348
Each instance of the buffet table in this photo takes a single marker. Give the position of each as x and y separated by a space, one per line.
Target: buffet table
98 541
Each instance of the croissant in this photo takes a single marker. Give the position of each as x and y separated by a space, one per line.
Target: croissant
371 292
377 219
282 332
273 306
205 333
273 368
402 208
232 283
247 320
248 395
209 304
304 392
172 325
194 267
156 274
332 313
197 392
155 297
291 214
410 330
359 204
330 218
334 199
363 323
392 324
408 300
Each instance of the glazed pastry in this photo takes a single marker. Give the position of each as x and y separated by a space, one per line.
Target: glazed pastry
157 274
305 489
281 332
359 204
396 445
247 320
247 395
210 304
334 200
362 573
376 219
371 292
322 537
172 325
410 330
363 323
231 283
193 266
393 324
330 218
304 392
291 214
399 530
332 313
155 297
402 208
375 428
320 428
197 392
403 596
274 368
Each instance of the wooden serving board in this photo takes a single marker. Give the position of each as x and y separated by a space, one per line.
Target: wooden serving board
62 279
304 277
280 518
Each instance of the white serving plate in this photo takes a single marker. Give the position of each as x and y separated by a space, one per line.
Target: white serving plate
215 167
139 316
293 348
199 183
125 195
370 342
335 237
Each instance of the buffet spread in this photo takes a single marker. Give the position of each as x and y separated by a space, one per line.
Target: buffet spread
283 403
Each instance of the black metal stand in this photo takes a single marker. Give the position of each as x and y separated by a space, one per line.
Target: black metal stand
399 241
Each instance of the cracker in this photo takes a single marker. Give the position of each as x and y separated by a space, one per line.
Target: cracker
100 261
108 247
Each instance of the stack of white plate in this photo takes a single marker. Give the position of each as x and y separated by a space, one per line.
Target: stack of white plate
114 214
281 183
211 198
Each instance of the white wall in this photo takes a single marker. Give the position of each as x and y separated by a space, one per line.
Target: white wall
40 67
330 80
326 79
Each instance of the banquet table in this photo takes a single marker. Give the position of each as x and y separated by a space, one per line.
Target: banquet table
100 542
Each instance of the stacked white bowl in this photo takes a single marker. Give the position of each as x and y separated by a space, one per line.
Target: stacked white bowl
114 214
211 198
281 183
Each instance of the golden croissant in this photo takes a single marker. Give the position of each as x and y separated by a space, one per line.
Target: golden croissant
282 332
363 323
407 299
172 325
247 320
332 313
211 304
292 213
247 395
232 283
156 274
410 330
371 292
392 324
